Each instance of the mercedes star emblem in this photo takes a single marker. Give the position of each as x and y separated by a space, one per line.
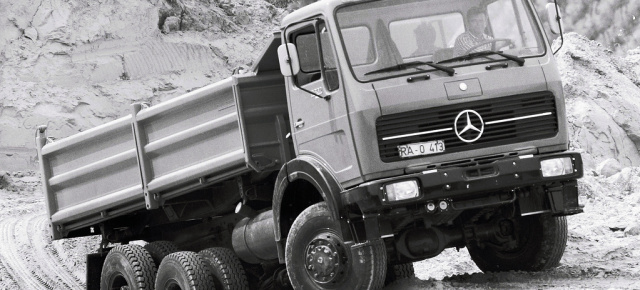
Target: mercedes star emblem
473 126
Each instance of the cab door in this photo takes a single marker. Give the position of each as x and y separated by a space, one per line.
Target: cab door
319 116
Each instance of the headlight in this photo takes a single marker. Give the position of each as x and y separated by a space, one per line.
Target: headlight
556 167
402 190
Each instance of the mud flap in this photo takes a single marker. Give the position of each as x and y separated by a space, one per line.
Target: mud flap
564 199
560 199
94 269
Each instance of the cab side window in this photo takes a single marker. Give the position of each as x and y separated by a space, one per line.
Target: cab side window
317 59
307 45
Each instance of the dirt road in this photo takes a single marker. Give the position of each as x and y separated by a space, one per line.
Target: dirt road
599 255
29 258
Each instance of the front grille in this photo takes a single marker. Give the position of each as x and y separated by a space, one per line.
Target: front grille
511 119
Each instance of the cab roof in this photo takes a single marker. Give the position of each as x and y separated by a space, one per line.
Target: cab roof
325 7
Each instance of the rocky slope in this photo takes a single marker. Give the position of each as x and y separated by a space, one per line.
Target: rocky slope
603 97
74 64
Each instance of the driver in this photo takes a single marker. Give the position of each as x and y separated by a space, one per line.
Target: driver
475 35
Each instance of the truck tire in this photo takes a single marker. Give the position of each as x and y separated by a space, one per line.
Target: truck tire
316 257
184 270
160 249
542 240
226 268
397 272
128 267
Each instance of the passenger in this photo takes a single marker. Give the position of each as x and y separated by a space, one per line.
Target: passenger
477 23
425 39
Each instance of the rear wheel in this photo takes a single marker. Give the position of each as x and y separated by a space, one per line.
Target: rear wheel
160 249
541 242
184 270
226 268
127 267
317 258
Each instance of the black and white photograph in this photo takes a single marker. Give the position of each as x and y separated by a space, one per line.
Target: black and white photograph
319 144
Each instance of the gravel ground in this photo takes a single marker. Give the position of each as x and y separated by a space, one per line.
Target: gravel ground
601 252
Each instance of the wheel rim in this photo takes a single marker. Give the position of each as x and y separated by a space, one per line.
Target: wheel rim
326 259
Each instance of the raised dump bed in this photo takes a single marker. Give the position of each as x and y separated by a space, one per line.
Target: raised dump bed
161 152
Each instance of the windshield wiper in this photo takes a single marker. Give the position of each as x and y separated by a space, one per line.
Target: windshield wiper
470 56
413 64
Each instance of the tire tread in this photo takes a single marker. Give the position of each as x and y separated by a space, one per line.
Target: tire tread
142 264
226 268
197 271
372 253
545 254
400 271
160 249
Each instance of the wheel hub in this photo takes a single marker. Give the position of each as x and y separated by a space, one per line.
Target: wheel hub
325 259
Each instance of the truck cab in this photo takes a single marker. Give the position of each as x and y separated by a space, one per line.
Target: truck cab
366 89
437 133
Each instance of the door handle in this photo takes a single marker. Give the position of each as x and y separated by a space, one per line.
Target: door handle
299 124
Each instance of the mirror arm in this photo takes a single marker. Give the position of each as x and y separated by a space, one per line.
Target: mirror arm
558 18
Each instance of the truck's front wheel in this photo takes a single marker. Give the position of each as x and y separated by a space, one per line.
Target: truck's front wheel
317 258
541 243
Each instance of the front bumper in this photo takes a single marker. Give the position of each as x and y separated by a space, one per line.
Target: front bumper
502 181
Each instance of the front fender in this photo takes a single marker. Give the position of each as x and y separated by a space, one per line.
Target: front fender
322 178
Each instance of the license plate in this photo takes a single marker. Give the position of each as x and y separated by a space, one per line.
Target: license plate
423 148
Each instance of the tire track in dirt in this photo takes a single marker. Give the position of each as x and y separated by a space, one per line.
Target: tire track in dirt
14 261
29 258
6 280
50 255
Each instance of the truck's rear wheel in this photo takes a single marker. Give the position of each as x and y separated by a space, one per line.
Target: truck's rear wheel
541 243
184 270
317 258
160 249
128 267
226 268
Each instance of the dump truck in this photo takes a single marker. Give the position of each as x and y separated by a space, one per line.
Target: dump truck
366 137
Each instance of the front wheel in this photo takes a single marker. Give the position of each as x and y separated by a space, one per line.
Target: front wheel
317 258
541 242
399 272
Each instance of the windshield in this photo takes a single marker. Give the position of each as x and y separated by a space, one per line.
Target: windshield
385 34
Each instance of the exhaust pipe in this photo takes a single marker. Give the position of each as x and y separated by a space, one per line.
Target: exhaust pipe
254 238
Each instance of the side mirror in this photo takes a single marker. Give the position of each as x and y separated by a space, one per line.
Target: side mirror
555 19
288 57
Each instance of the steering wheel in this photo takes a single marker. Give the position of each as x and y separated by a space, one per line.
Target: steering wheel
492 42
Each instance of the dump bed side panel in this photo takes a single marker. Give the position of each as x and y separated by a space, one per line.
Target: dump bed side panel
182 144
189 138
